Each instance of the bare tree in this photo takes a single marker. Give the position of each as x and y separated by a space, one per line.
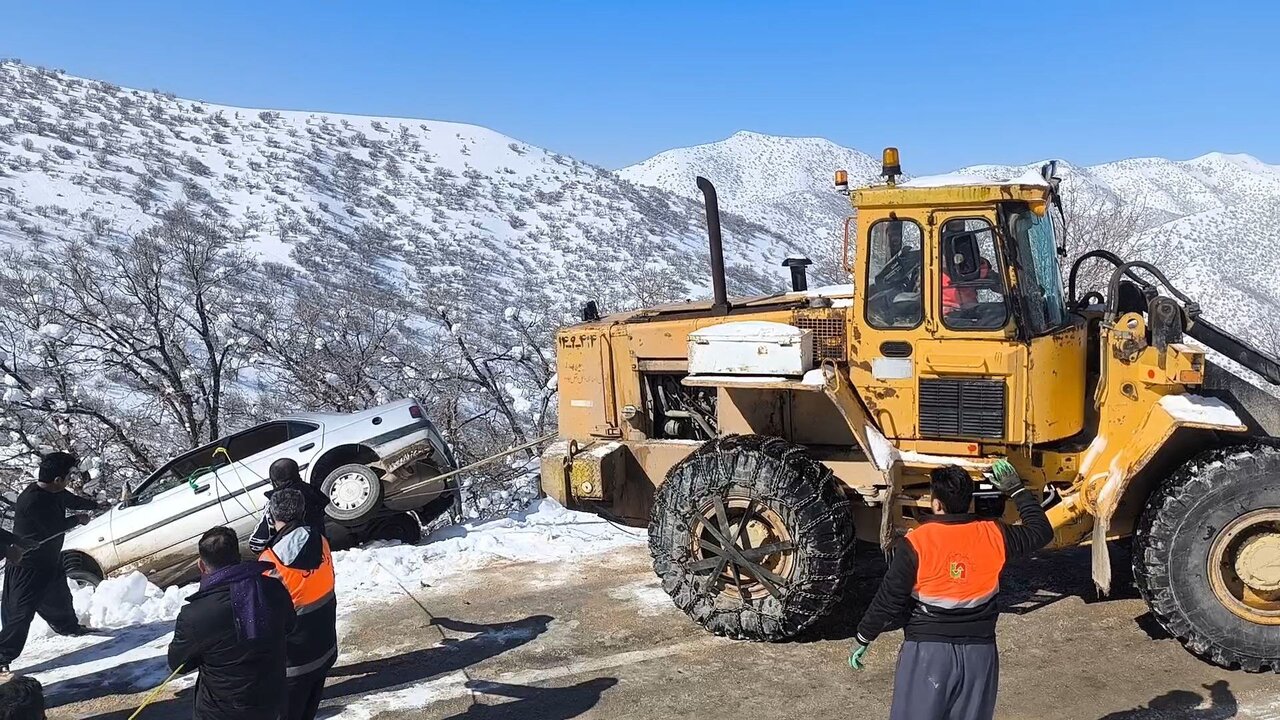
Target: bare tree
335 346
1097 222
154 313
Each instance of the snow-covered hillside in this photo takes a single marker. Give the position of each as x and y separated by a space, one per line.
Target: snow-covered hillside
1214 221
447 203
455 249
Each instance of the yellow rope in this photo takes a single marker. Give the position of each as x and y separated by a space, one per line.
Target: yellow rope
154 693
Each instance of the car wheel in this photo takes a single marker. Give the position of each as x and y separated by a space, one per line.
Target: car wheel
81 569
354 492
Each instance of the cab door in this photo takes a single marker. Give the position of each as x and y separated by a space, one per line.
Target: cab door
889 319
969 367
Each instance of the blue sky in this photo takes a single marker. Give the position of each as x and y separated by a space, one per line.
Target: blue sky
951 83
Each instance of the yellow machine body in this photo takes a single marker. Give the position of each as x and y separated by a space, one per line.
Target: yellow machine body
1075 402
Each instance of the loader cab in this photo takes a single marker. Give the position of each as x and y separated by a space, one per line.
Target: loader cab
960 335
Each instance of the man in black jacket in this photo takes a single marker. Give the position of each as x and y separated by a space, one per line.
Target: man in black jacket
36 583
284 474
233 631
949 570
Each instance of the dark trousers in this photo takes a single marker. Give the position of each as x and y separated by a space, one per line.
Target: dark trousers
305 693
29 591
941 681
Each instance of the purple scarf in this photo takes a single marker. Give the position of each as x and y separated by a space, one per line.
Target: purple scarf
248 599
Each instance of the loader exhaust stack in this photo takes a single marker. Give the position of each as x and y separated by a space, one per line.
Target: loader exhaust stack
799 277
720 301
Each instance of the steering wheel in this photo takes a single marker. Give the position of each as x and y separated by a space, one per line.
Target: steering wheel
896 271
894 278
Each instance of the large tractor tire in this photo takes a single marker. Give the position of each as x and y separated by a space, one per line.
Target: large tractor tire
1207 556
751 537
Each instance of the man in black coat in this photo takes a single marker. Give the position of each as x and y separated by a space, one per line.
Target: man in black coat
233 631
284 474
36 583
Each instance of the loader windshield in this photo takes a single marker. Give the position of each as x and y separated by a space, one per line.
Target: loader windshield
1036 259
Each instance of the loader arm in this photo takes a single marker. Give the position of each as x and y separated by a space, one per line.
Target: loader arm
1234 348
883 455
1142 400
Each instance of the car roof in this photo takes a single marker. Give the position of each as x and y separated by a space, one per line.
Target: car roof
323 416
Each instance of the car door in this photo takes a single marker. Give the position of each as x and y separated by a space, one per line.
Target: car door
157 529
244 482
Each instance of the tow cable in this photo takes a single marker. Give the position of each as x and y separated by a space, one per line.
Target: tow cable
152 696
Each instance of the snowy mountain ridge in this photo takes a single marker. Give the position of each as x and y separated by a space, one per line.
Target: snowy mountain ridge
759 170
1212 221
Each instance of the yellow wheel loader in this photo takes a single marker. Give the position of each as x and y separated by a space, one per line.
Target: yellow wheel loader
758 437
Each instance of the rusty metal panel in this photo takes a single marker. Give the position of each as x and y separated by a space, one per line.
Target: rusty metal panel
828 328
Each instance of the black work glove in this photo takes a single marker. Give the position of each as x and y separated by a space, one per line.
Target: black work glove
1005 478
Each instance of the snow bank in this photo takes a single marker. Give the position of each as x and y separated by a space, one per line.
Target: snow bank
128 600
137 617
135 620
119 603
545 532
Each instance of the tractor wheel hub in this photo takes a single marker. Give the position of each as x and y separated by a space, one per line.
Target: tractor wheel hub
1258 562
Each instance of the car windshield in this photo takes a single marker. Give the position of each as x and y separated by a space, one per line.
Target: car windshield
1037 263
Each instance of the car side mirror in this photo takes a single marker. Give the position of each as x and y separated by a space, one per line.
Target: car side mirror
126 494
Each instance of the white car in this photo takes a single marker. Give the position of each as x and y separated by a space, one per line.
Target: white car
375 466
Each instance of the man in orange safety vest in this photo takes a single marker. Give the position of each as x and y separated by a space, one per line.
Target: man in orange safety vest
302 561
948 571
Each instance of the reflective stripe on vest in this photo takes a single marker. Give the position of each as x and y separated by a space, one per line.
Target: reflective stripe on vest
300 670
958 564
308 588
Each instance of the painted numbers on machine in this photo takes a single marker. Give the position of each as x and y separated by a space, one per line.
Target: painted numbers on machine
584 340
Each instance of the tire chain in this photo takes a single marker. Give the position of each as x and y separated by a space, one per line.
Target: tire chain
787 466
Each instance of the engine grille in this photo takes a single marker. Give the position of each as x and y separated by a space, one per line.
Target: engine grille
962 408
827 326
